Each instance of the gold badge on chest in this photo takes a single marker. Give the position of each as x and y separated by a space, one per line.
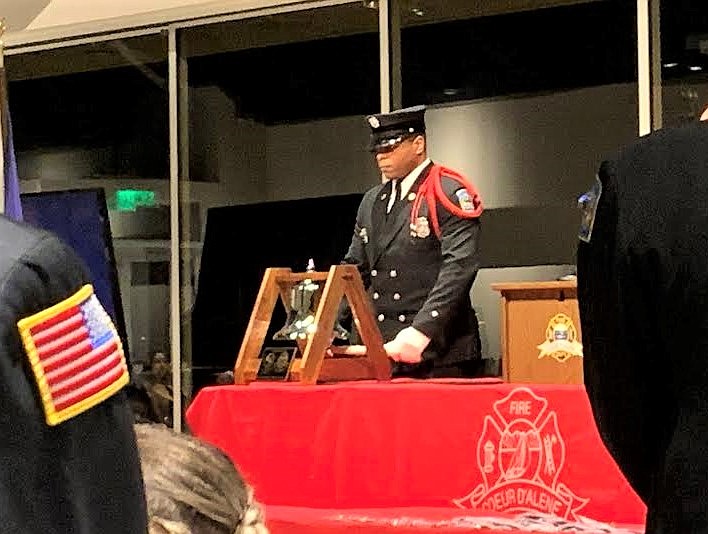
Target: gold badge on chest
420 228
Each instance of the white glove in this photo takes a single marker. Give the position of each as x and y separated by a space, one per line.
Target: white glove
407 346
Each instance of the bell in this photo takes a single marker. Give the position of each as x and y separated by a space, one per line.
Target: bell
301 317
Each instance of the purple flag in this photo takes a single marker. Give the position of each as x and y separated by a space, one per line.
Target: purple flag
13 207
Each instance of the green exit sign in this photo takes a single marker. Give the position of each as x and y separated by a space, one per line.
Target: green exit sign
130 199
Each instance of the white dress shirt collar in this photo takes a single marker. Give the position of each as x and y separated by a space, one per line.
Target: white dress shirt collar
406 183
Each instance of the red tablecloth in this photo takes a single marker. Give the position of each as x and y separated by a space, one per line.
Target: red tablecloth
492 447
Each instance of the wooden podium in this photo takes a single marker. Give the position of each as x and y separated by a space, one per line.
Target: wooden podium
540 332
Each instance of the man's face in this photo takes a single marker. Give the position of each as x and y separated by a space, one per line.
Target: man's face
400 158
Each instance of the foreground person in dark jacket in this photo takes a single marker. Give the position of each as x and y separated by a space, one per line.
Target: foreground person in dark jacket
643 292
69 458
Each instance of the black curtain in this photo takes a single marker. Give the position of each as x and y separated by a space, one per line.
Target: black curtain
240 243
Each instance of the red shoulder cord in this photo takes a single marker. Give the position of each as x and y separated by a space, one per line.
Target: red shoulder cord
432 191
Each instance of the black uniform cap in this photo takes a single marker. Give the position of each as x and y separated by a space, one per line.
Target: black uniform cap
386 128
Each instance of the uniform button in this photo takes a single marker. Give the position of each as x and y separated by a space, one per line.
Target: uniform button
376 296
374 272
381 317
396 296
402 318
434 313
393 273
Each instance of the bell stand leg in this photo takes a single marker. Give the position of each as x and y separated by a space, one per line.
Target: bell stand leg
246 367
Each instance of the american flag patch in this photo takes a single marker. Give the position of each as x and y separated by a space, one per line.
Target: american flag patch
76 355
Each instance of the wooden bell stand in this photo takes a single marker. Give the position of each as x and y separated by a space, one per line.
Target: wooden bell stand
312 363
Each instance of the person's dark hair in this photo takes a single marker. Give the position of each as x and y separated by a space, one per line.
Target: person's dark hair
192 487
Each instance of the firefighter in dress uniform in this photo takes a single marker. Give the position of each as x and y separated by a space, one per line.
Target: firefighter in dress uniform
415 243
70 461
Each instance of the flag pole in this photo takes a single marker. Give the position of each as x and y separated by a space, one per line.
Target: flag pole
2 139
2 43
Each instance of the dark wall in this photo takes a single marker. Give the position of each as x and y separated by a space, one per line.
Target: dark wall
240 243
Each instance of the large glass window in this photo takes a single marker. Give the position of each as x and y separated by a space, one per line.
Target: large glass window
271 115
526 102
91 138
684 58
459 50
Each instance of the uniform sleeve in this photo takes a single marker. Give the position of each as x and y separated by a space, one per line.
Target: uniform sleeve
619 397
459 246
356 254
48 273
82 475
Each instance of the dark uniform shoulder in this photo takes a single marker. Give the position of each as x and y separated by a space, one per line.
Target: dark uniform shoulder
674 142
45 304
69 447
649 161
15 239
450 186
372 191
370 197
37 270
459 194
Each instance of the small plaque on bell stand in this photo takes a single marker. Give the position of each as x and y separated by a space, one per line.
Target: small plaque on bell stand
275 363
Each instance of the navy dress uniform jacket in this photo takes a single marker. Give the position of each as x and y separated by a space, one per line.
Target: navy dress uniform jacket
82 475
643 295
419 280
